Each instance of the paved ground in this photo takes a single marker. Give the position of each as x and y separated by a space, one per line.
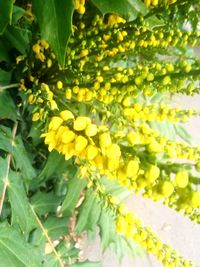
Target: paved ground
173 228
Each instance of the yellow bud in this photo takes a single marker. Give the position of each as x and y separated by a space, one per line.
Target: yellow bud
80 143
55 123
59 85
113 151
92 152
132 168
152 173
36 116
68 136
91 130
66 115
195 200
181 179
81 123
167 188
105 140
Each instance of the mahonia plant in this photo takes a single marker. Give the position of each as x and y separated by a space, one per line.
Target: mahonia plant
86 117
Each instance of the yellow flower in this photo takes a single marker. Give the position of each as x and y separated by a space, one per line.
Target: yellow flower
92 152
68 136
167 188
113 152
80 143
55 123
66 115
81 123
91 130
105 140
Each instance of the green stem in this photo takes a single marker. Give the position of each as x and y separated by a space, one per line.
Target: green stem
14 85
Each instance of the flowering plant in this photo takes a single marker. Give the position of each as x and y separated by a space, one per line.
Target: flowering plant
85 91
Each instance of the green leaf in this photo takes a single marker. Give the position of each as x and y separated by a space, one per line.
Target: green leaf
165 128
89 213
184 134
22 159
5 139
43 202
154 22
55 227
55 163
6 7
18 13
75 187
14 251
107 229
5 77
4 55
21 213
18 38
128 9
55 22
7 107
86 264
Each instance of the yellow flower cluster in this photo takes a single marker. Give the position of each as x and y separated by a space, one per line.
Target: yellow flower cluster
80 6
156 2
39 49
130 226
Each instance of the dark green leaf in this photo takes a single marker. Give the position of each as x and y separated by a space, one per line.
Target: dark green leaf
22 160
75 187
184 134
55 21
5 139
14 251
55 163
21 212
86 264
18 38
6 7
128 9
43 202
4 55
5 77
7 107
18 13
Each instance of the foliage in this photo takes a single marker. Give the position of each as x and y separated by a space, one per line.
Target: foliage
86 120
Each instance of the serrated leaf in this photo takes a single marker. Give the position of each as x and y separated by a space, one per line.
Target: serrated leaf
107 229
18 38
5 139
184 134
5 77
86 264
14 251
55 163
55 227
8 109
43 202
128 9
75 187
21 213
89 213
22 160
165 128
6 7
55 22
